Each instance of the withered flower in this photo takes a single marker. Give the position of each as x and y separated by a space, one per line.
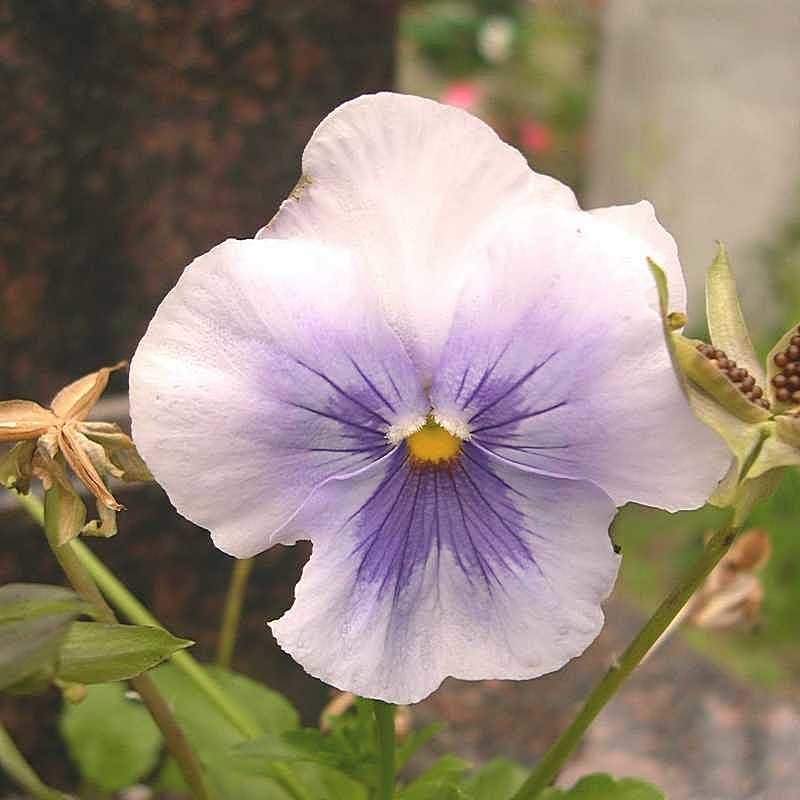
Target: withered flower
45 438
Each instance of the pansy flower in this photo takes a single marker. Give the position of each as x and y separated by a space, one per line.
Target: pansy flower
436 367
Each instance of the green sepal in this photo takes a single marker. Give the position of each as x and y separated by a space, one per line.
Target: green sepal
773 369
703 373
97 652
726 323
787 428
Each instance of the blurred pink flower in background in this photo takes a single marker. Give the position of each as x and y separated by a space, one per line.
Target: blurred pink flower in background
535 136
463 94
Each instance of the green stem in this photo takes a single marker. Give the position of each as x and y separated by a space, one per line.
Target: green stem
81 580
20 771
384 726
550 765
233 611
134 611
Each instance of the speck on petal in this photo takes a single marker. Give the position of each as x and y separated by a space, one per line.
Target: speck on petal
266 370
409 184
478 571
557 361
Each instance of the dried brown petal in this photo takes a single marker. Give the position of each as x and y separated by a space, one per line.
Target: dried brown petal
105 525
23 419
71 510
76 400
82 466
16 468
750 552
120 449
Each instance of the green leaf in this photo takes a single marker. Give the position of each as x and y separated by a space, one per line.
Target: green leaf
416 739
97 652
21 601
213 736
773 369
497 780
111 738
725 319
439 781
34 620
603 787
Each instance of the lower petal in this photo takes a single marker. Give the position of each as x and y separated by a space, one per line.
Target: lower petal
480 570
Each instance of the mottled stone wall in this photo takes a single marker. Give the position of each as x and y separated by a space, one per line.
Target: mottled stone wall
137 133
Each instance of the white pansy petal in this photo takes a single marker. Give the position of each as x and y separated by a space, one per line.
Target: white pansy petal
639 221
266 370
480 570
557 362
409 183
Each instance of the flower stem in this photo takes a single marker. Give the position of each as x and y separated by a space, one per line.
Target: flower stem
384 726
83 583
233 611
134 611
17 768
552 762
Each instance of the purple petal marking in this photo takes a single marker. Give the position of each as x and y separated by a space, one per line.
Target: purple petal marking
465 508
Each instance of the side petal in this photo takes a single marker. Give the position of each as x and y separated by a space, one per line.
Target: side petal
557 361
266 370
479 571
638 221
409 183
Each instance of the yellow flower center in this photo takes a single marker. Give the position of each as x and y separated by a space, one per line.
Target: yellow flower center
432 445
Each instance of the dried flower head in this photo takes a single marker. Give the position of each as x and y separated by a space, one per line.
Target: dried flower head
47 439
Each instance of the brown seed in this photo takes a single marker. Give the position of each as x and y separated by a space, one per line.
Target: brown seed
723 364
701 346
793 352
796 397
794 382
757 392
731 364
718 354
779 381
783 395
790 369
781 360
748 383
763 402
795 341
737 375
713 362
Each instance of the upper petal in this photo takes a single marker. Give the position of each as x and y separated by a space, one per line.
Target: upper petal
557 361
409 183
639 222
266 370
478 571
